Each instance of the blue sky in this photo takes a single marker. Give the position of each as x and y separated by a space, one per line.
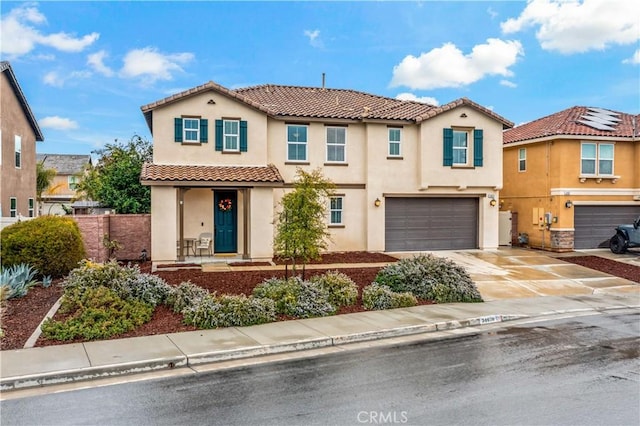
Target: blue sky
86 68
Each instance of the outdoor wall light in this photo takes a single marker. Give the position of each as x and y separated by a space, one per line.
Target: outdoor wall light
492 203
377 202
568 204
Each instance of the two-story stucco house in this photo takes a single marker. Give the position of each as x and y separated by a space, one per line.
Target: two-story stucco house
62 190
572 176
409 176
20 131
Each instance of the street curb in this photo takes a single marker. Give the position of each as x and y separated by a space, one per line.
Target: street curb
186 361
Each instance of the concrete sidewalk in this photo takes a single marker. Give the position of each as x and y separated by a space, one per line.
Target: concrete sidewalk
514 283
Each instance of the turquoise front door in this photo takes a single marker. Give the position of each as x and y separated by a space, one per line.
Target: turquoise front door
225 222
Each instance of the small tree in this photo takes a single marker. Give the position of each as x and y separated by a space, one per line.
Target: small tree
301 230
44 178
115 180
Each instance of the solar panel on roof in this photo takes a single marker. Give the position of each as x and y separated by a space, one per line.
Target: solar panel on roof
595 125
600 119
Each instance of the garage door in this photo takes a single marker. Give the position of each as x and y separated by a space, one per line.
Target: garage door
415 224
594 225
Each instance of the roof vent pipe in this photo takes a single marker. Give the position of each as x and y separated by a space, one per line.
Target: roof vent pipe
323 81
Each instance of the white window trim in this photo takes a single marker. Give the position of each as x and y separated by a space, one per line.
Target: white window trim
185 130
467 149
225 134
306 143
72 182
32 211
13 212
399 142
522 160
341 210
17 148
327 144
597 173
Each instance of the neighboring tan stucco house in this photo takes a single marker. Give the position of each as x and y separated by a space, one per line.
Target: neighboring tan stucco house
409 176
580 167
20 131
62 190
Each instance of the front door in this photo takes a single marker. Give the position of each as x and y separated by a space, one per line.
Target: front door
225 239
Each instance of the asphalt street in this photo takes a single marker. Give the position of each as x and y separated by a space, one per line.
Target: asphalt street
582 370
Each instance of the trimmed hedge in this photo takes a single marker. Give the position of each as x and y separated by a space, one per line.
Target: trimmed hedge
378 297
51 244
229 311
295 297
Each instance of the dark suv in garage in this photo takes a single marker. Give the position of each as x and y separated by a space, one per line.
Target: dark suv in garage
627 236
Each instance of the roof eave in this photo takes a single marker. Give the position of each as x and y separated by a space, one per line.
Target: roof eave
6 66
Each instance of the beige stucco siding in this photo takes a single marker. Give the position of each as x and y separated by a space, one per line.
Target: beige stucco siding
16 182
166 151
164 232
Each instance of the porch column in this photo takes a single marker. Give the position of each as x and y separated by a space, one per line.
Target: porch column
246 193
181 192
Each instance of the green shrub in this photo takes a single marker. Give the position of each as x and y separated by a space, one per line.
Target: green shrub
17 280
51 244
127 281
185 295
96 313
342 290
376 297
229 311
297 298
430 278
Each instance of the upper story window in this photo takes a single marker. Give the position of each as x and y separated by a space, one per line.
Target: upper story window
72 181
191 130
522 159
296 142
18 151
231 135
460 147
395 142
596 159
335 210
458 150
13 207
336 143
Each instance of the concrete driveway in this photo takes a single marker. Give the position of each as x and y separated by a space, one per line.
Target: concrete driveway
508 273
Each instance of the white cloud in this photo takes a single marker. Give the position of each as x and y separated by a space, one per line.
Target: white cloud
508 83
634 60
96 61
492 13
447 66
153 65
58 123
423 99
67 43
55 79
572 26
314 37
19 35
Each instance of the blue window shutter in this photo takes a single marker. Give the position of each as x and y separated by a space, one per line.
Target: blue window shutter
219 135
447 147
477 147
177 124
243 136
204 130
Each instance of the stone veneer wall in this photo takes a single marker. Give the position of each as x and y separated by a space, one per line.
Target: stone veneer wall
562 240
132 231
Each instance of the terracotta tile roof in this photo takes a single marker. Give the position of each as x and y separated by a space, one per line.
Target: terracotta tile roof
467 102
185 173
322 103
566 123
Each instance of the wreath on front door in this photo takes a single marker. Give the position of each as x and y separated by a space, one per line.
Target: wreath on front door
225 205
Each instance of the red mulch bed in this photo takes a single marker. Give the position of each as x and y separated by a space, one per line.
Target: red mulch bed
611 267
23 315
